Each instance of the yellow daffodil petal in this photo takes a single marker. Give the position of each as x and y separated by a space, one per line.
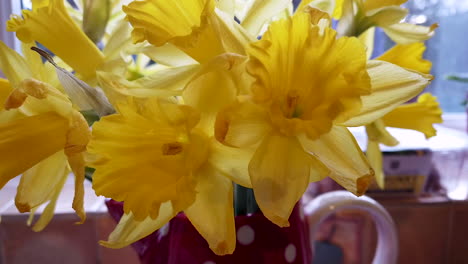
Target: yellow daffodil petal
339 151
163 83
212 213
77 164
37 183
374 155
332 7
52 26
376 131
404 33
391 86
5 90
184 23
419 116
168 55
216 79
48 212
260 12
279 171
233 162
408 56
385 16
13 65
242 124
130 230
374 4
233 36
31 140
309 80
368 38
153 143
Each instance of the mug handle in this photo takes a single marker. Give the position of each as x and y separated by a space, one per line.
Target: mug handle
320 207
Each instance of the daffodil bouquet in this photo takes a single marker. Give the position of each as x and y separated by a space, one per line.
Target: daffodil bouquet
194 96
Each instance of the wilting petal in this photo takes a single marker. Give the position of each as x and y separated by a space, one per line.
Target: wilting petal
212 213
404 33
408 56
5 90
339 151
279 171
241 125
374 155
418 116
13 65
391 86
37 183
52 26
374 4
31 140
233 162
260 12
48 212
130 230
77 165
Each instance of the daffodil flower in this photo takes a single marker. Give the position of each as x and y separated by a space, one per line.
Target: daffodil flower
159 162
308 85
419 116
358 16
50 24
43 136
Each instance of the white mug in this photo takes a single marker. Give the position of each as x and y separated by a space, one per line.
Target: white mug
320 207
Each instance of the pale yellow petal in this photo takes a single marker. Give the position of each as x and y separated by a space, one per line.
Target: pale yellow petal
368 38
419 116
25 142
279 171
37 183
168 55
339 151
130 230
374 4
77 165
53 27
332 7
48 212
40 70
14 67
163 83
374 155
260 12
212 213
404 33
233 36
385 16
233 162
241 125
391 86
408 56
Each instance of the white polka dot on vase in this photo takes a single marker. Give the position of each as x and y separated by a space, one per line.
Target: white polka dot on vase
163 231
209 262
245 235
290 253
